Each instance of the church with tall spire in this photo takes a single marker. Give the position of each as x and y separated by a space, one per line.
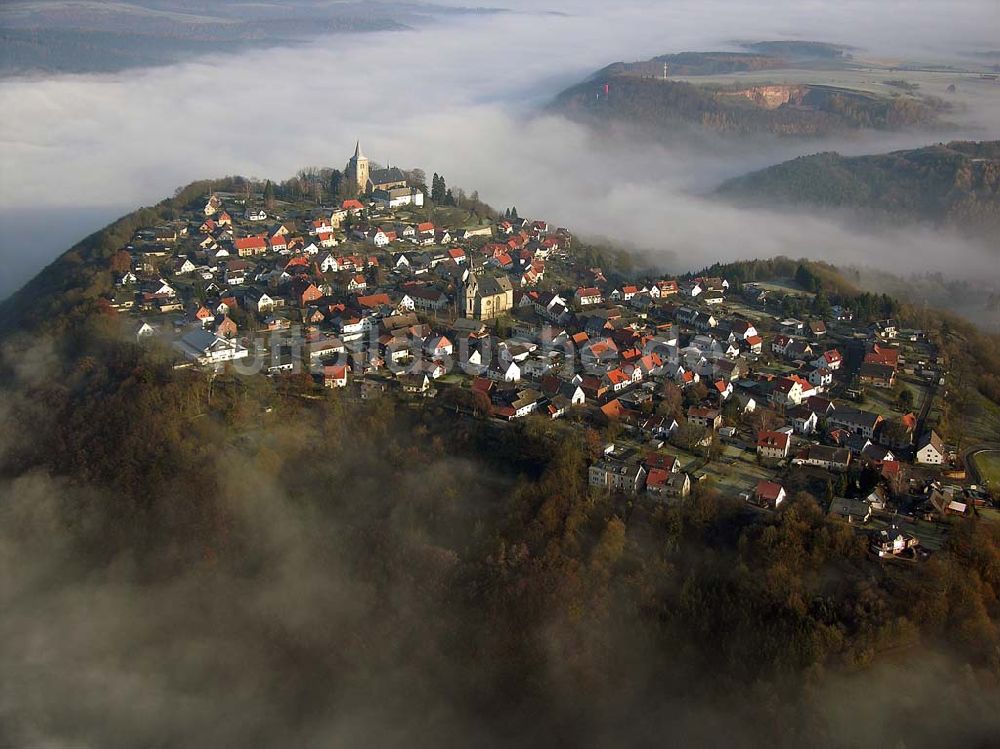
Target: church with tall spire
357 169
361 176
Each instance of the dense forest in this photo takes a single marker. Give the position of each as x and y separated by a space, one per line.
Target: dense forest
663 106
955 184
340 572
201 560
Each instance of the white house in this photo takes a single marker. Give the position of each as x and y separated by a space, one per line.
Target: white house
143 330
588 296
329 264
930 450
438 346
773 445
206 348
504 371
821 378
787 392
830 359
617 476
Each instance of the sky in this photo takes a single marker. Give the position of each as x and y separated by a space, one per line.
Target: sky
459 97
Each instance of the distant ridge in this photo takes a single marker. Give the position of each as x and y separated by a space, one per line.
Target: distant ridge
648 95
955 184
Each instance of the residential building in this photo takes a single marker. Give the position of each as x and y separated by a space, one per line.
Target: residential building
931 450
617 476
773 445
768 494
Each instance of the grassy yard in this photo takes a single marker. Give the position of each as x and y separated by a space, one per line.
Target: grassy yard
882 401
988 464
685 458
736 471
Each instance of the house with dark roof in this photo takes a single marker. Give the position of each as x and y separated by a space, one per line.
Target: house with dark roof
877 375
855 421
931 450
830 458
851 510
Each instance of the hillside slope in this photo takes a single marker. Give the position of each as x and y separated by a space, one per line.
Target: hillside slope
654 96
955 184
778 109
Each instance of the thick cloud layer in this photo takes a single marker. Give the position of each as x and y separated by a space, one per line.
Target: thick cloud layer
459 99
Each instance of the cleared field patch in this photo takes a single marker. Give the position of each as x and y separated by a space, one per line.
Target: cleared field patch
988 465
785 286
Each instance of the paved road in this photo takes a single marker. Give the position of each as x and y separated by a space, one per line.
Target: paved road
925 409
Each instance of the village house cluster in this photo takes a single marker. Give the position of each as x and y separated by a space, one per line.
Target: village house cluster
500 318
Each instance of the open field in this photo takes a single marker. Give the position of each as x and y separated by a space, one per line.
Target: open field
988 465
737 471
971 91
882 400
785 286
871 78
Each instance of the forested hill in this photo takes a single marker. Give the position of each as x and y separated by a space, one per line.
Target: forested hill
955 184
328 566
618 94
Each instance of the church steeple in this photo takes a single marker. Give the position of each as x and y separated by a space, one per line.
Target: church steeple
357 169
471 292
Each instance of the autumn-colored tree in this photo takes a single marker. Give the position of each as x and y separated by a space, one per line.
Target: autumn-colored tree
673 401
121 262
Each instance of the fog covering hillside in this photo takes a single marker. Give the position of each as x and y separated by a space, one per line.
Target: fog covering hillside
955 184
188 560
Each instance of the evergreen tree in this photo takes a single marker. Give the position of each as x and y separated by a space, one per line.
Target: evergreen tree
821 305
268 195
438 189
336 178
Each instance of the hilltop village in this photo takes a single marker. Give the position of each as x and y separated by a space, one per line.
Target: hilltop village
686 382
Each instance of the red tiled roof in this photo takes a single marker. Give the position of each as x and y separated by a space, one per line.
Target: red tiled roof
613 408
772 439
657 477
768 490
374 300
250 243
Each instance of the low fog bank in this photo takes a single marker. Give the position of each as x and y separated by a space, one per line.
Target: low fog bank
461 102
313 629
